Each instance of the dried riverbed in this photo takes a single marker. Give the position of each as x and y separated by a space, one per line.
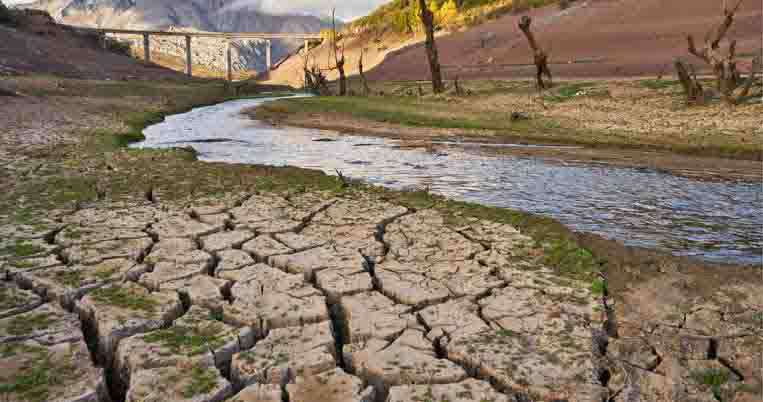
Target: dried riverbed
143 275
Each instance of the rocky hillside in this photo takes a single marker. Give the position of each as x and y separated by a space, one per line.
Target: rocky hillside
204 15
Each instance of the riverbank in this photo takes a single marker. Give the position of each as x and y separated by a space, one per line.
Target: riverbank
626 123
91 226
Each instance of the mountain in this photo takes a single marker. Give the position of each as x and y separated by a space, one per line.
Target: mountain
203 15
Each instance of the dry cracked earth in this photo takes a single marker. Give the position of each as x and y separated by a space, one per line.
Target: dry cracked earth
309 298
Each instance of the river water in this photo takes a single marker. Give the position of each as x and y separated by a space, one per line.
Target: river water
717 221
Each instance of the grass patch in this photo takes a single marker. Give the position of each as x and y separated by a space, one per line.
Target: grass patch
203 380
33 382
478 121
25 324
188 340
72 279
406 111
505 333
598 287
713 378
658 84
21 248
121 297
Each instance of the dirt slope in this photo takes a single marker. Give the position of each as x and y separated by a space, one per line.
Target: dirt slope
594 38
601 38
40 46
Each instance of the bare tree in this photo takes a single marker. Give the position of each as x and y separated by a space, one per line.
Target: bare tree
315 79
540 55
427 18
695 94
366 89
730 85
338 60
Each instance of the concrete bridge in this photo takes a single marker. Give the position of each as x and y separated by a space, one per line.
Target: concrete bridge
227 37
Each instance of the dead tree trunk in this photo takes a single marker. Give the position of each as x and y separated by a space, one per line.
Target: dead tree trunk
729 83
338 60
364 82
434 63
540 55
695 94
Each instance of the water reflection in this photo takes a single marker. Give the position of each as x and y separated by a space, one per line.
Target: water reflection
715 220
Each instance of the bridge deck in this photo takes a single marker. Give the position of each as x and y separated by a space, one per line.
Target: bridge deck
221 35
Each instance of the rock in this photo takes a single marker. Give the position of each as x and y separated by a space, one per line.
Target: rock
409 359
226 240
88 254
272 299
264 247
260 393
469 390
334 385
285 353
190 383
371 315
182 226
519 116
115 312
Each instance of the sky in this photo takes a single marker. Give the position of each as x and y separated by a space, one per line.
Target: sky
345 9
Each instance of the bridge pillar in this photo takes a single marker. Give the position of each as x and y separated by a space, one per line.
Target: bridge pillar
188 68
229 60
268 61
146 48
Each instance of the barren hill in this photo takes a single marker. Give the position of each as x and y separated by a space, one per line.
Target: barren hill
38 45
204 15
594 38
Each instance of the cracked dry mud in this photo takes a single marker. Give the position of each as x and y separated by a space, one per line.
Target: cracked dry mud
310 298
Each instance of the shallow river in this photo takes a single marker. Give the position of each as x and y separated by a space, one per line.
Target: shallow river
716 221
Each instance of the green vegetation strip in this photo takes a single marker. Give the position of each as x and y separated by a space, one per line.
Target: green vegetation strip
495 125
